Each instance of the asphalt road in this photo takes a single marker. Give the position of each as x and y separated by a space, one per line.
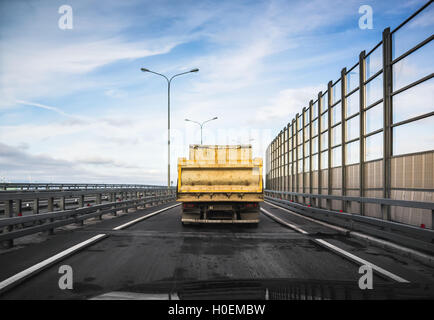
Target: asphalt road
160 250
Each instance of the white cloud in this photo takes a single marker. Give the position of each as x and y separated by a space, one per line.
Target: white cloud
54 71
236 82
43 106
116 93
283 108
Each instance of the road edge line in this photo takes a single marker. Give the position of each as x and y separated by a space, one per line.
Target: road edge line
341 252
414 254
292 226
360 261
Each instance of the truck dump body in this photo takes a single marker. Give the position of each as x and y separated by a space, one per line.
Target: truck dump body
220 184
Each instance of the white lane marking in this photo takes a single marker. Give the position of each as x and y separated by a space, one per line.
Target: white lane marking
310 219
341 251
144 217
358 235
362 261
47 262
292 226
124 295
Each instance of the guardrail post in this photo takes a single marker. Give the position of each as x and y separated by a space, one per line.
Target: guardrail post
145 195
115 212
81 201
114 199
98 201
125 197
137 197
81 205
62 203
50 203
385 212
9 213
36 206
19 207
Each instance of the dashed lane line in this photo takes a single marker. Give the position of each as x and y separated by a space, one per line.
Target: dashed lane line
125 225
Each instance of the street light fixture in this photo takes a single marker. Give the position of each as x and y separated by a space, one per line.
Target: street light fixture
169 81
201 125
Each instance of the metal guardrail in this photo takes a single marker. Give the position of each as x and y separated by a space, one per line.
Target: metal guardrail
380 201
45 194
72 186
16 227
12 202
410 236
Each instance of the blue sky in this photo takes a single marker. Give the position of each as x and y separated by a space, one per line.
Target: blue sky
76 108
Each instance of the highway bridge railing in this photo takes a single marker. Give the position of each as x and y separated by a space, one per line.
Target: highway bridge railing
71 186
403 234
16 202
15 225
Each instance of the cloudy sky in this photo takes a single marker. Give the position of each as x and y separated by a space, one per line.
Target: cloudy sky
75 107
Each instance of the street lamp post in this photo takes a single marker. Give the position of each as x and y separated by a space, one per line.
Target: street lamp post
201 125
169 81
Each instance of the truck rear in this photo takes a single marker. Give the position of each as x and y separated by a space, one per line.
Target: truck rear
220 184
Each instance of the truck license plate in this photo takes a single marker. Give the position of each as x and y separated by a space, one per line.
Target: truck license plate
220 207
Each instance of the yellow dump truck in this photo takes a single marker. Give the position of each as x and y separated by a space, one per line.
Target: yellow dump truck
220 184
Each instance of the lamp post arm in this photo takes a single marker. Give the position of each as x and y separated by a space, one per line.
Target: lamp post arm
194 122
208 121
179 74
159 75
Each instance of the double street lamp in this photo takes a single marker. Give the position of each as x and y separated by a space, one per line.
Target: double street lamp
169 80
201 125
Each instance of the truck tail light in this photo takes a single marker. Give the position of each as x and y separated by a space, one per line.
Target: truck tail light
251 205
188 205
